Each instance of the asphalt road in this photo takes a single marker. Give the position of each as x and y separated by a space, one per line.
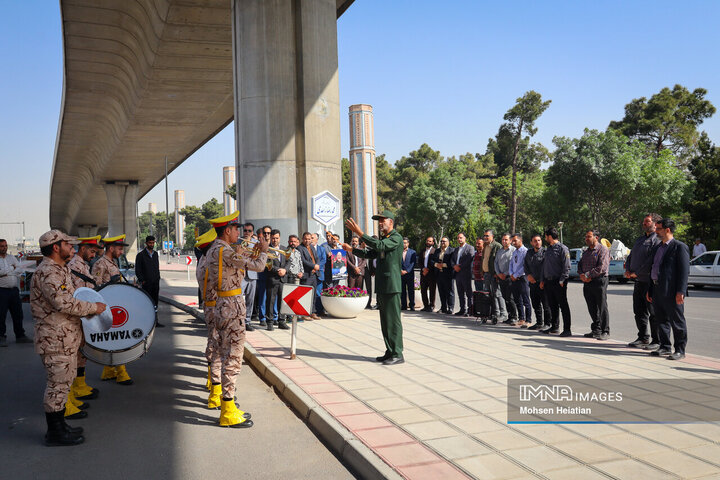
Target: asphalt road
702 313
160 427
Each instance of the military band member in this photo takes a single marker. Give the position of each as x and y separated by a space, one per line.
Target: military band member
227 270
105 271
80 269
58 331
209 298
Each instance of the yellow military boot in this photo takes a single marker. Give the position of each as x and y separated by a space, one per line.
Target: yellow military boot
82 390
215 396
77 403
208 385
230 416
108 373
123 378
73 412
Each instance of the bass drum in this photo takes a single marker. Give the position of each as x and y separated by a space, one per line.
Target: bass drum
132 329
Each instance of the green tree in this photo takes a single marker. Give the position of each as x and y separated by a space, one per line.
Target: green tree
604 180
409 170
232 191
384 173
155 224
198 217
521 119
704 206
668 120
443 201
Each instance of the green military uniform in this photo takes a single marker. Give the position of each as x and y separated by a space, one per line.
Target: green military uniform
388 252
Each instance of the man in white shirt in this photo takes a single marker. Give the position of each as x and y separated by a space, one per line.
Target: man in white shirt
10 296
699 248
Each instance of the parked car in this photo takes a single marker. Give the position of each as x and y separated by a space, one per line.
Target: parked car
705 269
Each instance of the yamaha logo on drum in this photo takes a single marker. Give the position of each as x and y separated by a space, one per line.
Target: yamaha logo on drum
120 316
137 333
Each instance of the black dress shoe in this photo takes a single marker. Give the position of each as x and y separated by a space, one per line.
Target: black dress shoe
639 343
537 326
660 352
651 346
591 335
603 336
565 333
23 340
676 356
383 358
412 309
249 327
394 361
459 313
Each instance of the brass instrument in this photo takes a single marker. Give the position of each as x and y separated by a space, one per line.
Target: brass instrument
252 249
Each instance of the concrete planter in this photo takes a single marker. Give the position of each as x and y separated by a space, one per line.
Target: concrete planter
344 307
418 299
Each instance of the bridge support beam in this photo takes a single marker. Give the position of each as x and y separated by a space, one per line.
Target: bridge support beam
287 112
122 212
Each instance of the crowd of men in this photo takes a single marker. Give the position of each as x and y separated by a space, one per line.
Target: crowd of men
512 281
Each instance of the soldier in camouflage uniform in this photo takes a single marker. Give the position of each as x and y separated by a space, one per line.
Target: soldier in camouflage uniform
58 331
209 297
80 268
105 271
226 268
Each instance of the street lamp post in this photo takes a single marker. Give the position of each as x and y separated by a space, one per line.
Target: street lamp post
23 234
560 225
167 211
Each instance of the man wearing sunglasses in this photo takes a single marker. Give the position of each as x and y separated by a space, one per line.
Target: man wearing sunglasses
249 284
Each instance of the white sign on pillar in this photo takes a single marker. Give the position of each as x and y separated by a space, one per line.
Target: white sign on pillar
326 208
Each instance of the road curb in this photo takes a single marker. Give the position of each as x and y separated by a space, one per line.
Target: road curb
341 441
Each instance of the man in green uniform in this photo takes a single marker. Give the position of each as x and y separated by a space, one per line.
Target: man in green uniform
388 252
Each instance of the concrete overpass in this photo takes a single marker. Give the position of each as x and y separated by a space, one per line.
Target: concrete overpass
145 79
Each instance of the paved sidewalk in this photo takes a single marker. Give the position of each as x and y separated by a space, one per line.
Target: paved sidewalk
442 414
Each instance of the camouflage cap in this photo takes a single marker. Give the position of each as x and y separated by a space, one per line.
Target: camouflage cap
54 236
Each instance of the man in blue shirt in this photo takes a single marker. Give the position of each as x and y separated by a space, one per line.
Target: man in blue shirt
519 286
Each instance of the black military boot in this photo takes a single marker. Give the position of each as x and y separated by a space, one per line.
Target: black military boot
56 434
68 428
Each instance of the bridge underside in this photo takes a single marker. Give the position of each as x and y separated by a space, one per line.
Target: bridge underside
143 79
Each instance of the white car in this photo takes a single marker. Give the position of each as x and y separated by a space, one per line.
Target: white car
705 269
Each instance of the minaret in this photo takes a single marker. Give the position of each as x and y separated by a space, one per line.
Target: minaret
179 219
363 181
229 203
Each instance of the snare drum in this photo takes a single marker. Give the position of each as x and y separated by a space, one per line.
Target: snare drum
132 330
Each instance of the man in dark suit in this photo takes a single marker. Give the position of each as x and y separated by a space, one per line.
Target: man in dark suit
388 252
309 256
443 275
407 279
427 275
356 266
668 289
461 261
275 275
147 271
369 274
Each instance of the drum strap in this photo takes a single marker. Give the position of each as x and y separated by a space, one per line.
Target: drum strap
83 277
204 292
220 292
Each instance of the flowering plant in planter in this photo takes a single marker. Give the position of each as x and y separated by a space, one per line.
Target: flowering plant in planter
343 291
417 284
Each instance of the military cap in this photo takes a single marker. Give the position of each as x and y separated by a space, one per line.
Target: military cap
54 236
108 241
206 238
231 219
92 241
384 214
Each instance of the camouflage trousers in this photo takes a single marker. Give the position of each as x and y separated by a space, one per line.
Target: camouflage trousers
81 360
213 346
230 323
61 370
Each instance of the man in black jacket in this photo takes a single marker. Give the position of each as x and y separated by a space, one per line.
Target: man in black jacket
668 289
309 257
147 271
275 276
444 275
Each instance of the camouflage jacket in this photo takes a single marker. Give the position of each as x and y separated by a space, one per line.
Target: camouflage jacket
233 268
207 288
103 269
58 329
79 265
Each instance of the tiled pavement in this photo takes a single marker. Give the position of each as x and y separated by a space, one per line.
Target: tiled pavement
442 414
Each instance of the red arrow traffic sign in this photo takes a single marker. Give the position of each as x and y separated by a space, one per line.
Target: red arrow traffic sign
188 260
295 299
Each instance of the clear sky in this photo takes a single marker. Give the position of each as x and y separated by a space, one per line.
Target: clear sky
441 73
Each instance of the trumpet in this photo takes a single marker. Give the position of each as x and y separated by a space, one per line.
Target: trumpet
250 248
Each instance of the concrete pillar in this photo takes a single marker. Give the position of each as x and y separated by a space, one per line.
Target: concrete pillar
287 113
179 219
363 178
85 231
152 208
122 218
229 179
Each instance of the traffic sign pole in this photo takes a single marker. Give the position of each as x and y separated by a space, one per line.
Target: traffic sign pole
296 300
188 261
293 338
